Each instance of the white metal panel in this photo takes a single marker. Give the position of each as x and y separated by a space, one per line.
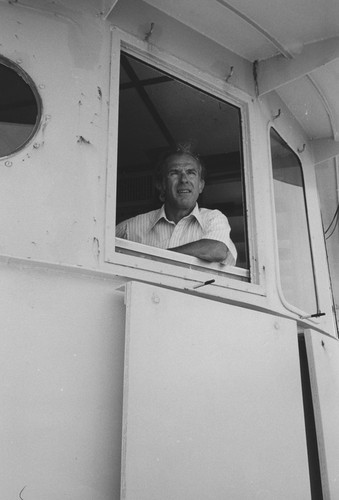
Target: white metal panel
292 22
326 81
53 191
220 24
61 369
305 103
323 355
212 401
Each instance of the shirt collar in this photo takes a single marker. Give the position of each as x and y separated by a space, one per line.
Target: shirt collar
161 214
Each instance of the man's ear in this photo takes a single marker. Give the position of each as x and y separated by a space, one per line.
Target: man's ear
160 188
201 186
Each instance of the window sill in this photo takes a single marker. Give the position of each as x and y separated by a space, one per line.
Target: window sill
159 255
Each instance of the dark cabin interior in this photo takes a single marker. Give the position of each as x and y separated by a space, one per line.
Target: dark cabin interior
156 111
20 108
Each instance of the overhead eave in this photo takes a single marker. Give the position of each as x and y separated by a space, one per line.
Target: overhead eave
107 7
278 71
324 149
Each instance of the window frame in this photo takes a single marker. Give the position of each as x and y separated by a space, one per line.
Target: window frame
290 307
159 262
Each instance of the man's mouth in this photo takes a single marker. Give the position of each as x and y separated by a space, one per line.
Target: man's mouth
183 191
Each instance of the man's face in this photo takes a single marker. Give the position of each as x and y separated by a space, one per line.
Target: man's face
182 182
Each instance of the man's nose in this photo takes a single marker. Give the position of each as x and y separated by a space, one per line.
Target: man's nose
183 176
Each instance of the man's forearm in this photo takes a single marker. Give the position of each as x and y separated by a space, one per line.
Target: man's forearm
205 249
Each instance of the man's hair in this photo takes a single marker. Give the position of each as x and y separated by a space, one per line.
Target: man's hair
178 150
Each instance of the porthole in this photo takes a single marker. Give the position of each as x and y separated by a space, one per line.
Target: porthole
20 108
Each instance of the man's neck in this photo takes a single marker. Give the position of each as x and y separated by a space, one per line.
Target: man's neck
175 215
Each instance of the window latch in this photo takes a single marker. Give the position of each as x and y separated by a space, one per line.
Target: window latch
208 282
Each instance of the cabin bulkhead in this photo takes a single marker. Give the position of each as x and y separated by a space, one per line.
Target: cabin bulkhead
132 371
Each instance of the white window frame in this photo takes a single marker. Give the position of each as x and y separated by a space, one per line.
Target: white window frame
130 258
302 313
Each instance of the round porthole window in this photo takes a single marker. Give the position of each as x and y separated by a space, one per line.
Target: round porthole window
20 108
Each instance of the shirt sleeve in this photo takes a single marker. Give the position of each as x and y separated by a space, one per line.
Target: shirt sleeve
217 228
121 230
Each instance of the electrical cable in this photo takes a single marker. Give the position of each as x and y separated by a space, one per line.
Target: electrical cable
334 218
335 225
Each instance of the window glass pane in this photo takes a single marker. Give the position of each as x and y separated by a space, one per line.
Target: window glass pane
156 111
19 108
295 258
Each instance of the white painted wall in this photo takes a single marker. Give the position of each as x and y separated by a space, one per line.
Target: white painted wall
212 402
324 372
62 333
62 338
54 190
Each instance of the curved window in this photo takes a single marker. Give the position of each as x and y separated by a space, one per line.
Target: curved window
295 256
20 108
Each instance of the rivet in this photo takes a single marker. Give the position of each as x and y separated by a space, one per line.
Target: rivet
155 298
19 61
41 86
36 145
277 325
8 163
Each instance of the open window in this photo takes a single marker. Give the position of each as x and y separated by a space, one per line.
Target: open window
156 101
157 110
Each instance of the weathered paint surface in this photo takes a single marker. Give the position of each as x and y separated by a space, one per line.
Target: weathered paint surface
63 332
54 190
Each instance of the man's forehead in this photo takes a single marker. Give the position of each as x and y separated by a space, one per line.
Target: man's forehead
182 161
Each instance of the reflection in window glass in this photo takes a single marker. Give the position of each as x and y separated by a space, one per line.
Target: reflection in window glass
295 258
156 111
19 108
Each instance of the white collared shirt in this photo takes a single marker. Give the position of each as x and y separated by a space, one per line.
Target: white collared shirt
154 229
